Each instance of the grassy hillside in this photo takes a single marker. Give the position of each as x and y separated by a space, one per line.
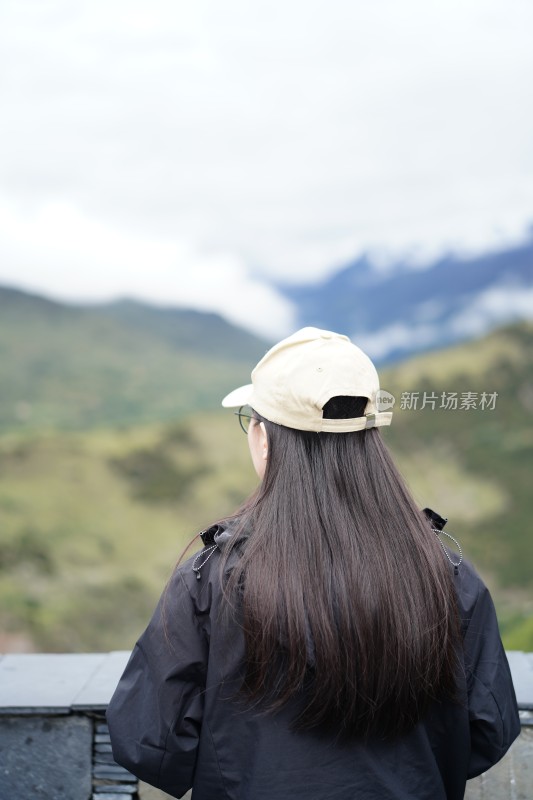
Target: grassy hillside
68 367
474 465
492 447
91 522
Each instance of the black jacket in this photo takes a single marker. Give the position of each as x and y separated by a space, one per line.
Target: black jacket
175 720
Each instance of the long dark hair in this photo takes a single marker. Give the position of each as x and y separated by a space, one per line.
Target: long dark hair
346 597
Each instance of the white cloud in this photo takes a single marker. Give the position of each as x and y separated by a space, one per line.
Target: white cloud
399 336
497 305
60 252
287 136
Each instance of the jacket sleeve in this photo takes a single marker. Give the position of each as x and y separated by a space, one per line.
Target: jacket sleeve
493 712
155 714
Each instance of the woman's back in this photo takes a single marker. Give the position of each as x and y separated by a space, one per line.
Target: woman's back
322 645
178 719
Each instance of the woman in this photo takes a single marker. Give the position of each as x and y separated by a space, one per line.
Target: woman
324 643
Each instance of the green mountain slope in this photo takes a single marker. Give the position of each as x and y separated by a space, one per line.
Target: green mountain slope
492 447
126 363
474 465
91 522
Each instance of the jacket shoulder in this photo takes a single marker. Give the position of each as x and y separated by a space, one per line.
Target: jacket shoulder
470 590
200 573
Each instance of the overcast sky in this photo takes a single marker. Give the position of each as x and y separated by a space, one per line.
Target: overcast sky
186 152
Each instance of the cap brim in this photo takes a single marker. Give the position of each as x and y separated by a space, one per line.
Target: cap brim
238 397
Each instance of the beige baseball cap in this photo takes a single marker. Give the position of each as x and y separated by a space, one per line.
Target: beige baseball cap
295 379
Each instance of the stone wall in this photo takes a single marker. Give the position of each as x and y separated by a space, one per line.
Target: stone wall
54 743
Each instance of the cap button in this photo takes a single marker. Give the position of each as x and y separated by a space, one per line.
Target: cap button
327 335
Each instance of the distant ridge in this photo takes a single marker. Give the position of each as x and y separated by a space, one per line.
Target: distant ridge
123 363
401 311
200 332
